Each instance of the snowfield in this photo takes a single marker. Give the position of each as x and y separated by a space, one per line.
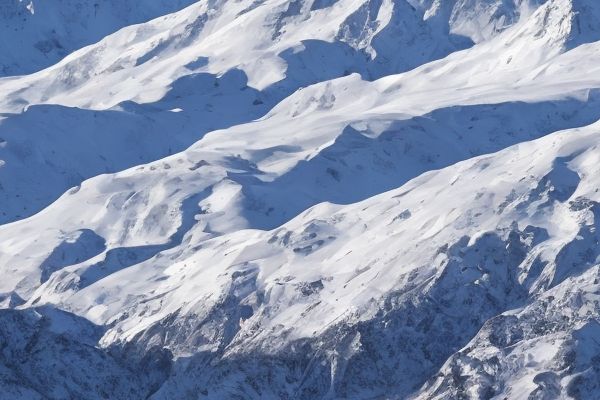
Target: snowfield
352 199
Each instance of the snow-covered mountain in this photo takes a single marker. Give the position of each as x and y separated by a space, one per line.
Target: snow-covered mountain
42 32
301 200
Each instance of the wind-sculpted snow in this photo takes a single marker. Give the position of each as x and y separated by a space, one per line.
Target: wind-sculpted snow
49 148
139 62
252 202
174 65
169 64
331 294
252 176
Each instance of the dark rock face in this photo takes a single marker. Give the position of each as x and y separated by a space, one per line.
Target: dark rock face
50 354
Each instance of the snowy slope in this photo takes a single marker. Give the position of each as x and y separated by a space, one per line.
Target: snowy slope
204 101
171 62
428 234
320 42
250 176
140 62
180 62
50 148
335 280
42 32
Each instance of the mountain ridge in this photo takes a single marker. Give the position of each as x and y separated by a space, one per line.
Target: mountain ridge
295 199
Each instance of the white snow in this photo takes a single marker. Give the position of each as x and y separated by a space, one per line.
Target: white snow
325 205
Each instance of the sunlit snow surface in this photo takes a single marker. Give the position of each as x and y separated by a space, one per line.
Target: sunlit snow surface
300 199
